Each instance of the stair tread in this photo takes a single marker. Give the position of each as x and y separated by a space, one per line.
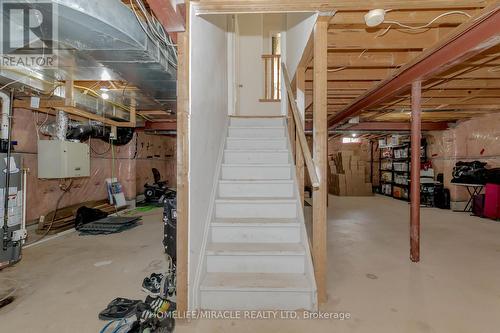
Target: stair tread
256 199
255 249
247 221
252 138
253 151
257 164
256 181
257 127
256 282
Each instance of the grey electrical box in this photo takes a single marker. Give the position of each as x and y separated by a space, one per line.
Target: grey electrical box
63 159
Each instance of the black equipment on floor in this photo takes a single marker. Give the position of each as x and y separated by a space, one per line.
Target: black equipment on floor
441 197
170 228
158 191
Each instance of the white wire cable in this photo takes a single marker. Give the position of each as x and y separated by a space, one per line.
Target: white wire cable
428 24
344 67
425 26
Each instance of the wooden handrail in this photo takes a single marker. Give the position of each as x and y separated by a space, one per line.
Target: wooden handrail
311 166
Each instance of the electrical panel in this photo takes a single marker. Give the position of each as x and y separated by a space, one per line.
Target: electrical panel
63 159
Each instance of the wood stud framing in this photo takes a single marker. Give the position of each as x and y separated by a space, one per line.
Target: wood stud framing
183 112
320 152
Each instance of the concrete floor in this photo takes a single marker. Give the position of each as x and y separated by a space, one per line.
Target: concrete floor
66 282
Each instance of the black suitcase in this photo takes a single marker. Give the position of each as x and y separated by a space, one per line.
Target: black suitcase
478 205
441 197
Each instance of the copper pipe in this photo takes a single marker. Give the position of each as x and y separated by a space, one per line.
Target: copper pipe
416 136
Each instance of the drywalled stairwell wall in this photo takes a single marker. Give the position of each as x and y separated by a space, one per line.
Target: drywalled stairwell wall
475 139
207 122
254 41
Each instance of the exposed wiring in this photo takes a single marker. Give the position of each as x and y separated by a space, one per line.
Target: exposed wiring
344 67
10 83
65 189
425 26
432 21
96 152
157 37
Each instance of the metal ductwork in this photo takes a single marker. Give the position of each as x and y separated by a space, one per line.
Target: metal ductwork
103 40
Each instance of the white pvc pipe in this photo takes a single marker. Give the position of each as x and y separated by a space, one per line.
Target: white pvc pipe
25 181
5 115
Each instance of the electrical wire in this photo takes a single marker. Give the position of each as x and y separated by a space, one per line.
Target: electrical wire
158 38
344 67
65 190
425 26
432 21
96 152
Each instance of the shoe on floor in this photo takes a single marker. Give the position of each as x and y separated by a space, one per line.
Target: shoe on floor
119 308
153 284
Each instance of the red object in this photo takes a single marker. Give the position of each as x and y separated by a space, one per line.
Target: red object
416 139
492 201
482 151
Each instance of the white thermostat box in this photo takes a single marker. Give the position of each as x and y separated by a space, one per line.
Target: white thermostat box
63 159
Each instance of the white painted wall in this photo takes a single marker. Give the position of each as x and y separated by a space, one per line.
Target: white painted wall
299 27
208 120
253 41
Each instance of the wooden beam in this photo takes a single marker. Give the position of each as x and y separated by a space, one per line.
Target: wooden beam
345 85
396 126
170 16
370 58
355 74
467 84
467 41
284 6
363 39
183 112
355 19
161 125
320 154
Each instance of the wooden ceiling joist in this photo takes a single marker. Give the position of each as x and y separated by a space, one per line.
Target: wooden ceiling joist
370 58
412 17
461 44
280 6
369 39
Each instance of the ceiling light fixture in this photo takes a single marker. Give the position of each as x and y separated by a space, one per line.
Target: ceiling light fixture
375 17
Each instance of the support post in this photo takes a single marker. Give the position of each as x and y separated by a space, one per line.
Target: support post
183 112
300 80
416 135
320 141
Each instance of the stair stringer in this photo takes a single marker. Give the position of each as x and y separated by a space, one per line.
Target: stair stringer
202 259
309 267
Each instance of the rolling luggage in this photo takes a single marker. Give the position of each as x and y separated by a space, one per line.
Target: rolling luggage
478 205
492 201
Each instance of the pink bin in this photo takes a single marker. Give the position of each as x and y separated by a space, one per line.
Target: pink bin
492 201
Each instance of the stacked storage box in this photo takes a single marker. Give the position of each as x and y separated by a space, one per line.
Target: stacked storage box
347 175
